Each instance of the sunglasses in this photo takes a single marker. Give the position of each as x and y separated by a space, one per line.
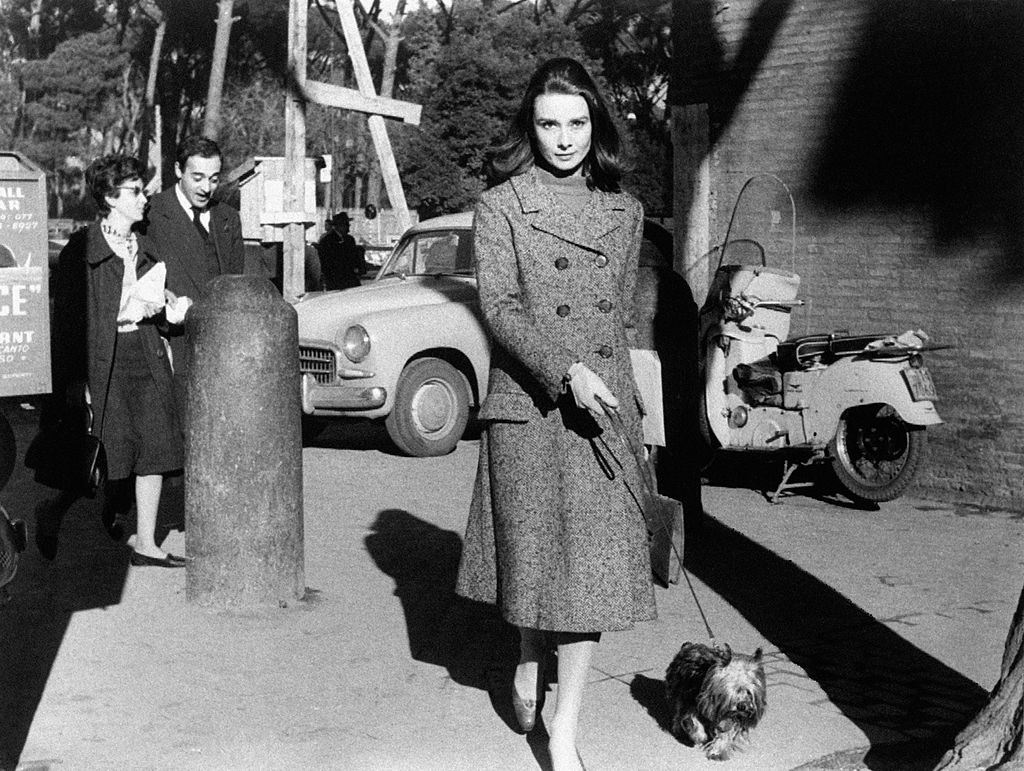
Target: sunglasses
135 190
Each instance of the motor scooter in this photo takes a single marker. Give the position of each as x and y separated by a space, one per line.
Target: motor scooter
857 402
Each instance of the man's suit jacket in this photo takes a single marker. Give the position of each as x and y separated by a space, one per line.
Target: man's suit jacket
172 238
176 242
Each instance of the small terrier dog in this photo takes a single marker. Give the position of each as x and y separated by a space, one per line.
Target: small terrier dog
717 697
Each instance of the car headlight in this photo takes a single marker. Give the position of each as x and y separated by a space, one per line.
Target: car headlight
356 343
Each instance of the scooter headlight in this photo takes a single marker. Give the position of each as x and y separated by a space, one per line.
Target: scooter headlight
356 343
916 360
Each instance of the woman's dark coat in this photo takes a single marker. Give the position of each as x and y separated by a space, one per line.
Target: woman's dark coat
86 299
551 538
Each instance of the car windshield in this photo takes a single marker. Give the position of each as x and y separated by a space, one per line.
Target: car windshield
433 253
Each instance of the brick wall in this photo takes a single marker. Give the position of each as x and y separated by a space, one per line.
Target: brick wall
875 248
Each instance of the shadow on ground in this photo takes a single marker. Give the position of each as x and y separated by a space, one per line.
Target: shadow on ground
469 639
909 704
88 572
764 471
358 434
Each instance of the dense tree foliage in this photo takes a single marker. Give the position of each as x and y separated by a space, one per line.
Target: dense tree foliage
469 88
73 77
70 114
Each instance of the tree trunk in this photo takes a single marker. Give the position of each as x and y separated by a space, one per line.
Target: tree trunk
387 88
35 28
211 122
149 106
994 738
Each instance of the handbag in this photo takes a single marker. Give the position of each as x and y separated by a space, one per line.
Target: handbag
663 515
67 455
12 542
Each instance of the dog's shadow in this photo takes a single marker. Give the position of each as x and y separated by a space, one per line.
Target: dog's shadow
909 704
649 693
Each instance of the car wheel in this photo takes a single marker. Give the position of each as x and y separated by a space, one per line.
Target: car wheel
431 408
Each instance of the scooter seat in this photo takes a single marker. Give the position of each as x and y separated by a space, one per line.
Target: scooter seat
806 351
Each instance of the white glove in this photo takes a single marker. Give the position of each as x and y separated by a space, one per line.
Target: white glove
587 387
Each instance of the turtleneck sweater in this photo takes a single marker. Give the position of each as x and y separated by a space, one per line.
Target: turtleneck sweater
572 192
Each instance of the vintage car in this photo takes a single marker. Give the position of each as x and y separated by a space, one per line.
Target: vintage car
408 346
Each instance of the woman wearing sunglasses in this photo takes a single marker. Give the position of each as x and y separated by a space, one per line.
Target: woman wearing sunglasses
105 334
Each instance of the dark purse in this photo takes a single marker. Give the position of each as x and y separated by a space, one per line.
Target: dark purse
663 515
67 455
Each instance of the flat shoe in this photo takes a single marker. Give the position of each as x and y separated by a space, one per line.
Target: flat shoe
525 709
167 561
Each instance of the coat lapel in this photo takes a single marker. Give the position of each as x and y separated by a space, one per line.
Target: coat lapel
603 214
218 232
191 252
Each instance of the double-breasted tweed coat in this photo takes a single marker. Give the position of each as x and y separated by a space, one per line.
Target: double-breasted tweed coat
554 537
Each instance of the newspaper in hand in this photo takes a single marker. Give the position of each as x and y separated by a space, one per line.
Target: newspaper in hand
147 297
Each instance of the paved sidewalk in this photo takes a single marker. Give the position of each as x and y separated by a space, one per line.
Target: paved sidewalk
882 632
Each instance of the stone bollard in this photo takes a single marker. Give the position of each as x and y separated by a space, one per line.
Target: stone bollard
243 447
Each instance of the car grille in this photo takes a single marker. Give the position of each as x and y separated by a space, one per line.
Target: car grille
318 362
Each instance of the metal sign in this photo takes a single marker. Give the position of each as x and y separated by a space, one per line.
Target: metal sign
24 278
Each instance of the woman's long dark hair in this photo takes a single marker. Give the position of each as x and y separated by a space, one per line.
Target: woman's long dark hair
603 165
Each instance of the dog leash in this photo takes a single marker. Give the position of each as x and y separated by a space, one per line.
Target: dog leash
649 492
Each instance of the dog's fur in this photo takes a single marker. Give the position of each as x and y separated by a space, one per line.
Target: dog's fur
716 696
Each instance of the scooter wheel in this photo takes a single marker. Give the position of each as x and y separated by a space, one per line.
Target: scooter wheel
875 455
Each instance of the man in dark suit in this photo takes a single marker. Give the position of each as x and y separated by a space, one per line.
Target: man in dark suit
196 237
341 259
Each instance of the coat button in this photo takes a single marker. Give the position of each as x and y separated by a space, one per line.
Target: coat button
562 310
601 260
605 351
561 263
604 306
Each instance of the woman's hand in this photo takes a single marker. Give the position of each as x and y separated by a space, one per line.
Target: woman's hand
587 387
176 307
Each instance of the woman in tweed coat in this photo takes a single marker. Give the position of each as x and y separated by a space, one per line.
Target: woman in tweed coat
553 536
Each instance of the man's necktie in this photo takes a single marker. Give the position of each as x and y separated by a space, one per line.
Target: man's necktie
196 211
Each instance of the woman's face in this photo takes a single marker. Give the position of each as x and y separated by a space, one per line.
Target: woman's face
561 125
129 203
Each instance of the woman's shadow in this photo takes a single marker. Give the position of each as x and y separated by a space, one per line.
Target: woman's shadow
469 639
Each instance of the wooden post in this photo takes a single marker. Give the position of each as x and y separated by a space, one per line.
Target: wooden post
293 279
692 196
302 90
379 133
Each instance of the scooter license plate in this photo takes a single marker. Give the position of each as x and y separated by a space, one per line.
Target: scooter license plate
919 381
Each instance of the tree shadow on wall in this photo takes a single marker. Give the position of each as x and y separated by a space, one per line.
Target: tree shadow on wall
930 114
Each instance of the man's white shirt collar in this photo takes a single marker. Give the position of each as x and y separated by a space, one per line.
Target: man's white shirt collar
204 216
